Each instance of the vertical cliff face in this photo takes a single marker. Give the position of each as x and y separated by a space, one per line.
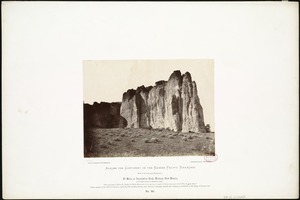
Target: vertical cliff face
192 117
129 109
135 107
103 115
172 104
156 105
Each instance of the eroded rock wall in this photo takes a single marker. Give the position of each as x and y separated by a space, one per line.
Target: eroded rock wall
103 115
172 104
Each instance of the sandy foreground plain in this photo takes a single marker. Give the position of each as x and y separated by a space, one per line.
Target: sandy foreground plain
134 142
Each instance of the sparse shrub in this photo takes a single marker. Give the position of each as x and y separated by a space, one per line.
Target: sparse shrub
190 137
122 135
171 137
181 134
207 138
207 128
163 135
175 134
198 146
110 143
184 138
132 140
102 146
154 140
117 139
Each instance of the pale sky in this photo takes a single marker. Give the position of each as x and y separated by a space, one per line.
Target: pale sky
107 80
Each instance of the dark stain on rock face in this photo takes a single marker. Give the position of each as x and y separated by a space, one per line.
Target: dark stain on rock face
175 103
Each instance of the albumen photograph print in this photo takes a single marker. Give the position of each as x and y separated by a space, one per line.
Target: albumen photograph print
148 108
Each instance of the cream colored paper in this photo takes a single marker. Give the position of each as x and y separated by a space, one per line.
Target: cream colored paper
255 51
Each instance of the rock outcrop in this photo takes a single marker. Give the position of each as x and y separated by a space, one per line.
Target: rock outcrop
103 115
172 104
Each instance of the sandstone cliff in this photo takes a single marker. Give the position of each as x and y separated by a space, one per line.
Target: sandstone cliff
172 104
103 115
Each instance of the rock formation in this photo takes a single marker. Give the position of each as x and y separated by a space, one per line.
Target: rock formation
172 104
103 115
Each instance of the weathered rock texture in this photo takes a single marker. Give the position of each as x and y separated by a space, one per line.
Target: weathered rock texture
103 115
172 104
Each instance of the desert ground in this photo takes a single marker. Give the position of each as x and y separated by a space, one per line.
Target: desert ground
134 142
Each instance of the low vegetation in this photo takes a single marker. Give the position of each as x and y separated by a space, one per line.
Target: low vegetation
122 142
